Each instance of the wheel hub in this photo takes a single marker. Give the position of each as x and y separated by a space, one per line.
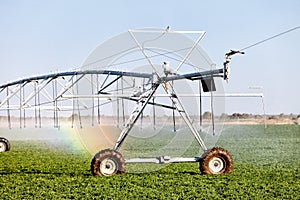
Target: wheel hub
216 165
108 167
2 147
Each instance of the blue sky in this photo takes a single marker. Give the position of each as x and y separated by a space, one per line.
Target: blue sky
43 36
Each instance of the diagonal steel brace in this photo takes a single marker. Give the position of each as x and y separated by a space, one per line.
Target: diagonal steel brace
135 114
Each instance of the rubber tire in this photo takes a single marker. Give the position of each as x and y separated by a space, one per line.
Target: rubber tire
5 143
218 154
112 156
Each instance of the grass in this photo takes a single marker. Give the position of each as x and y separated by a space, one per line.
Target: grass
266 167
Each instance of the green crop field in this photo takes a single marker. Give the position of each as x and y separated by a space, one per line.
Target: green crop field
267 163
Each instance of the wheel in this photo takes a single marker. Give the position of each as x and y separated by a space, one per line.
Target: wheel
4 144
108 163
216 161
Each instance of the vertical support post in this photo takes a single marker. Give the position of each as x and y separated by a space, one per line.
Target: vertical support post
262 100
200 105
123 109
153 108
20 118
174 120
212 107
55 108
53 95
118 106
93 99
56 104
73 103
142 116
98 100
173 112
39 115
78 106
8 111
154 114
35 104
24 113
54 116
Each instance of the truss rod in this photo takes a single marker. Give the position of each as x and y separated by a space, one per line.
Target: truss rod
109 84
190 51
76 72
37 89
68 86
105 96
13 93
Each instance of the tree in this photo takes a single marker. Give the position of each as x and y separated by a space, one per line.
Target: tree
207 115
224 116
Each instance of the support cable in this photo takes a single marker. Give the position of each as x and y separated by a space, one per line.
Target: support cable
270 38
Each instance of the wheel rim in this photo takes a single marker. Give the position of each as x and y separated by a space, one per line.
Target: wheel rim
2 147
108 167
216 165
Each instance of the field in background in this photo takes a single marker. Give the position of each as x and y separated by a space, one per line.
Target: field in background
266 167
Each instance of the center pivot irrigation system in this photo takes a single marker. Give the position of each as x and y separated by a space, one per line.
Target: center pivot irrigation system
105 78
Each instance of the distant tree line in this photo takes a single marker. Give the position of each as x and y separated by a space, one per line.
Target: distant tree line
208 115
